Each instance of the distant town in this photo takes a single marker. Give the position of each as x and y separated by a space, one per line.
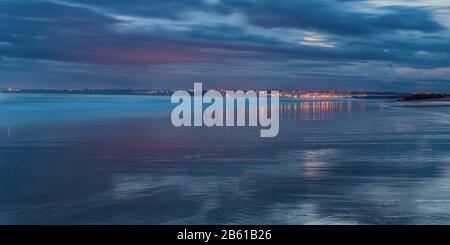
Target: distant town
292 94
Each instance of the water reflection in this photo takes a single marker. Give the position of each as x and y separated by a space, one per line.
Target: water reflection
333 162
319 110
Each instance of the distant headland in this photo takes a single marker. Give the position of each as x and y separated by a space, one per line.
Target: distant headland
289 94
92 91
292 94
425 96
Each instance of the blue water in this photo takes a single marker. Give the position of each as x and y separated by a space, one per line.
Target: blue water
89 159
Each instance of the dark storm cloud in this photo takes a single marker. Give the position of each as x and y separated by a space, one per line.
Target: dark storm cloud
229 33
320 15
170 9
51 31
76 34
331 17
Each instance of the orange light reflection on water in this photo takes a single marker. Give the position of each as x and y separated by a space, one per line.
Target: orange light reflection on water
317 110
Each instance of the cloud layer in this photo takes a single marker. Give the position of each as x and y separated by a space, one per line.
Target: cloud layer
312 44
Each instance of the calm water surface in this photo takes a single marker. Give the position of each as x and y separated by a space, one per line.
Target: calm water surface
88 159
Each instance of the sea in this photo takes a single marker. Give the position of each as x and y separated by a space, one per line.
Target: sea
117 159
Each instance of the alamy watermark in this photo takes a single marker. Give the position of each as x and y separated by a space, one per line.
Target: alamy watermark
233 110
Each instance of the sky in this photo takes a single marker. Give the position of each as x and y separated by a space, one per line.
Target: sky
391 45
